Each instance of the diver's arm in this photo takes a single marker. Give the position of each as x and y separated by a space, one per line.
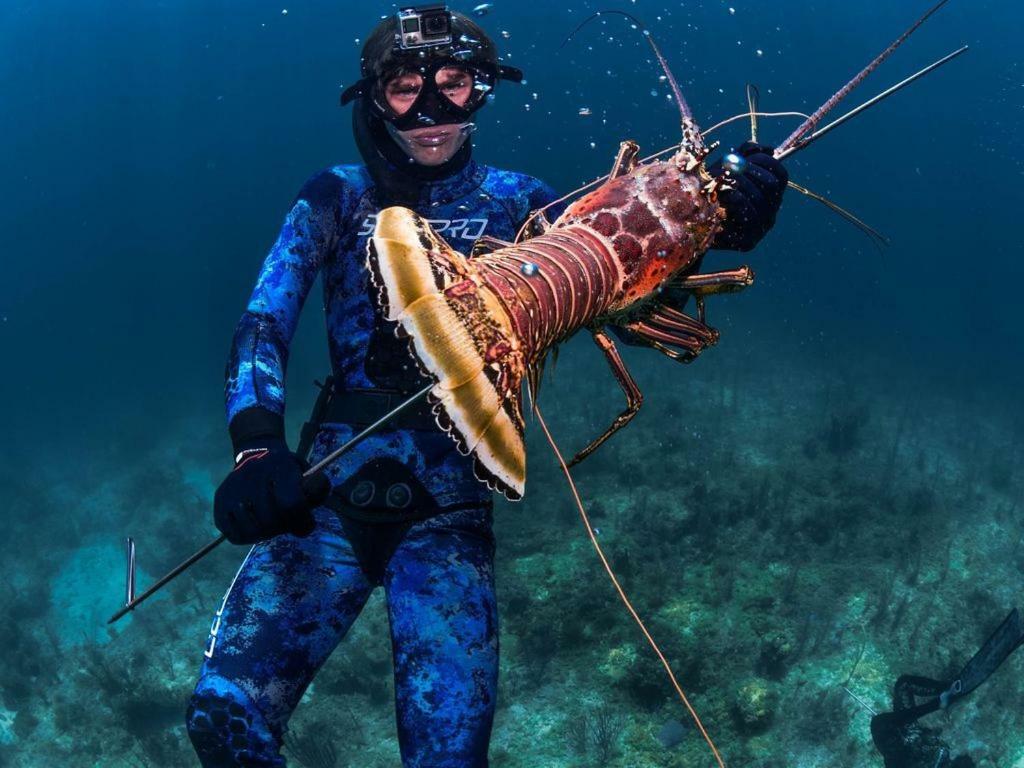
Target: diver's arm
255 375
267 494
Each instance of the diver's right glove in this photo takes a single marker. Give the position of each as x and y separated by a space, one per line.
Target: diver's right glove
751 198
266 494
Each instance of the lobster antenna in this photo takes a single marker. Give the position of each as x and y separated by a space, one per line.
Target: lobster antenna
685 115
622 594
749 115
877 238
843 92
753 96
806 141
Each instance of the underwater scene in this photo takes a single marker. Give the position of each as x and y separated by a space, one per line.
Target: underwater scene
802 538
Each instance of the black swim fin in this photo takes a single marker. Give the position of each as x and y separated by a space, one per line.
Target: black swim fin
1004 641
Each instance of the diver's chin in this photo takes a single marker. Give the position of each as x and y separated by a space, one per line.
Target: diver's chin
431 156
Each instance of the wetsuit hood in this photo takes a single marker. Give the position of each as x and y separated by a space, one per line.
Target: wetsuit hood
398 179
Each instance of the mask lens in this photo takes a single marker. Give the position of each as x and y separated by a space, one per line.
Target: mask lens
401 90
455 84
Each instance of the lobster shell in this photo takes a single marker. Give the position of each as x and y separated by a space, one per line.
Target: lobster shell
479 326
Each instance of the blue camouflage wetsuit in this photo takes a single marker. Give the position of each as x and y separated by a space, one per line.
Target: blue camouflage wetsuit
293 599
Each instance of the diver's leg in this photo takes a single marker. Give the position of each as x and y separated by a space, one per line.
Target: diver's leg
291 602
444 634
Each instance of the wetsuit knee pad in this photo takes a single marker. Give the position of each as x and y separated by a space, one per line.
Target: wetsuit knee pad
227 729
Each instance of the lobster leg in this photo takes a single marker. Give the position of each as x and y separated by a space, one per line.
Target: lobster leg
634 398
876 236
668 319
728 281
660 331
692 344
665 327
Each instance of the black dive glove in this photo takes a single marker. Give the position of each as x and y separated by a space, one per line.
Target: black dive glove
266 495
754 200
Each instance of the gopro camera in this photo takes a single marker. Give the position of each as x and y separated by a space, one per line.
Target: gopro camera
424 25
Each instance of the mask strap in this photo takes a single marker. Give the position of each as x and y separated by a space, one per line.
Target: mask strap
356 90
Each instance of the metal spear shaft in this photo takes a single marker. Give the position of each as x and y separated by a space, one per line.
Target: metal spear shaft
132 603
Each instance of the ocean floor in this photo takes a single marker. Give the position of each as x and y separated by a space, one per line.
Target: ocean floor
785 532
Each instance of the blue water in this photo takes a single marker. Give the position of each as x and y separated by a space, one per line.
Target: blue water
150 149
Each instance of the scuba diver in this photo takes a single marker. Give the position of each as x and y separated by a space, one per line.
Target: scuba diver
905 743
402 509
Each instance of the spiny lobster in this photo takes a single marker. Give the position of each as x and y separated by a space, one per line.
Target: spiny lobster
479 326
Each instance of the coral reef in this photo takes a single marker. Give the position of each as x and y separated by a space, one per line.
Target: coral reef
781 543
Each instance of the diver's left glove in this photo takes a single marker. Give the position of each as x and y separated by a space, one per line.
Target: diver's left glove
753 199
266 494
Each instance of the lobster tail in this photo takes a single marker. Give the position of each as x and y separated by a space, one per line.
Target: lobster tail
461 336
